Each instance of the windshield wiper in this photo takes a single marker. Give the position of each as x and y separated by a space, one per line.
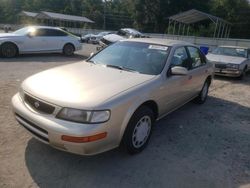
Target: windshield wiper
122 68
115 66
91 61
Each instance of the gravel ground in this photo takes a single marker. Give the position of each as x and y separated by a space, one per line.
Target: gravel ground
196 146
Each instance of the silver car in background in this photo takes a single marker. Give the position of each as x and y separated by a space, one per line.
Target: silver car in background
114 97
233 61
38 39
94 38
121 34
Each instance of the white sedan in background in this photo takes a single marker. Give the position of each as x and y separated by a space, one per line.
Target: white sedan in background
233 61
38 39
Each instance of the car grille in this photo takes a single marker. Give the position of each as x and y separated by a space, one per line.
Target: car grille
38 105
220 66
106 41
32 128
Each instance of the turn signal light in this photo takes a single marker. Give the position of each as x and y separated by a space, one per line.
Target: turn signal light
84 139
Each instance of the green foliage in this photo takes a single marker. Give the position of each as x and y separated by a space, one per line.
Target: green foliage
145 15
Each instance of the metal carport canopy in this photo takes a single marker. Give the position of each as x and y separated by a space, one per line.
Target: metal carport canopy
64 17
193 16
222 27
28 14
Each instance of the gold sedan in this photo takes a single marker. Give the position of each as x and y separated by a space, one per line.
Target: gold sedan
114 97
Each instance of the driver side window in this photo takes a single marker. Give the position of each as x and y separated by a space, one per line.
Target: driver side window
180 58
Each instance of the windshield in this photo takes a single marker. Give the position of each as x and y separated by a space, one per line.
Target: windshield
128 32
228 51
103 33
133 31
133 56
26 30
22 31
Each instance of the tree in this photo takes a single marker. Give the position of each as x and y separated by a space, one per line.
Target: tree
145 15
235 11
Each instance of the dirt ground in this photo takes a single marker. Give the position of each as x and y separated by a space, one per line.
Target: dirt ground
197 146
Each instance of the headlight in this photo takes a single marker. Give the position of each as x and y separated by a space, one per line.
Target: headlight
21 93
233 66
83 116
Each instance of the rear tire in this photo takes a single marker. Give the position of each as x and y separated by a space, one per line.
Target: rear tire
68 50
8 50
203 94
138 131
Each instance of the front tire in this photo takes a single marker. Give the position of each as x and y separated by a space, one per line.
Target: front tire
202 97
8 50
68 50
243 74
139 129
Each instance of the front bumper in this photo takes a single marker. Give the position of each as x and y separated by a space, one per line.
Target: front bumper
49 130
78 47
228 72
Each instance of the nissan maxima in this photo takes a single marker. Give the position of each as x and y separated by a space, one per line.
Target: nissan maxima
113 98
38 39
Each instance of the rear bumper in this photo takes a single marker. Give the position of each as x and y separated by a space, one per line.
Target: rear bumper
228 72
50 130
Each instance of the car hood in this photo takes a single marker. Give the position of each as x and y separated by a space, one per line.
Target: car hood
81 85
113 37
225 59
7 35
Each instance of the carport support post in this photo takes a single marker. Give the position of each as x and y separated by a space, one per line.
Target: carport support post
179 28
188 30
225 34
219 31
183 31
216 25
174 27
169 23
222 30
229 32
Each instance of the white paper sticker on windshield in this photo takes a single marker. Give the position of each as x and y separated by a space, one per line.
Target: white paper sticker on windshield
158 47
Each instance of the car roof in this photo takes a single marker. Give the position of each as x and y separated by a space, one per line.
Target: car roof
44 27
166 42
131 30
241 47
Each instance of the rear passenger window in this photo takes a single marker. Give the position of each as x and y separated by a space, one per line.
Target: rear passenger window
50 33
56 32
39 33
196 58
180 58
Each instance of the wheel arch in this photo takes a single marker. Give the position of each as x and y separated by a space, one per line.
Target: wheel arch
245 67
17 47
149 103
152 105
70 43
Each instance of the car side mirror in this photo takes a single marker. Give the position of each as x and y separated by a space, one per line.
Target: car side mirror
181 71
30 35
